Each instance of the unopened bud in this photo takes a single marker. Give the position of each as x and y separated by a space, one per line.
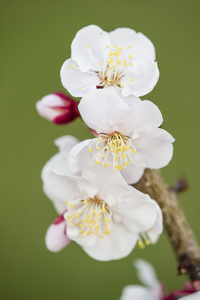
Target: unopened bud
58 108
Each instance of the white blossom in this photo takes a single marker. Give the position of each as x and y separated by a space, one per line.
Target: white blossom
128 137
103 214
122 58
152 289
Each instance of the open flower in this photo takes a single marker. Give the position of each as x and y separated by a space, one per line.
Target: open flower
103 214
58 108
122 58
128 137
153 289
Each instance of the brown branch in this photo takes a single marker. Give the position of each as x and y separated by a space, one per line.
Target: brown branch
181 236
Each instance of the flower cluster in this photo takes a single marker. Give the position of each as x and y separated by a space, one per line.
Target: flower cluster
89 182
153 289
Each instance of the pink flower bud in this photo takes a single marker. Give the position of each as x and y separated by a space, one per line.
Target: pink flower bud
58 108
56 238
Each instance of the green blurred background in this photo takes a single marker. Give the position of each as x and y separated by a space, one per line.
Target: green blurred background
35 40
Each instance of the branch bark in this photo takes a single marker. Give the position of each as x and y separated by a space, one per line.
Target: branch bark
181 236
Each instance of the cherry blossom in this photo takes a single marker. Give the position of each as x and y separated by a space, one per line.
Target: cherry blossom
153 289
106 217
122 58
128 136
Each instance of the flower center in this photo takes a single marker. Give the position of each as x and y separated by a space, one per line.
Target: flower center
115 68
115 147
90 216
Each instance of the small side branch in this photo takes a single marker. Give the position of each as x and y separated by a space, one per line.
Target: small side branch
181 236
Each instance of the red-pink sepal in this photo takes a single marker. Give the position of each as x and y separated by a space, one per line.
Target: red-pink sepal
188 289
56 238
58 108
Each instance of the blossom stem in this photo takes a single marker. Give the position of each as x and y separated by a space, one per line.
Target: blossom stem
180 234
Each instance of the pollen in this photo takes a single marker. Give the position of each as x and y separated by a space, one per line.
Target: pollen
73 66
89 46
94 211
112 73
115 148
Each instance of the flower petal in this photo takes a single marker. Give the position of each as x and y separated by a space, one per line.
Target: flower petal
117 245
132 174
136 292
141 46
145 115
60 161
89 47
56 238
46 104
195 296
107 110
80 156
76 82
146 273
138 213
142 78
114 189
66 142
154 148
67 188
157 227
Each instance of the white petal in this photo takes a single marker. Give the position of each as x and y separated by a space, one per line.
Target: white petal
132 174
60 161
117 245
66 142
114 189
154 148
80 156
195 296
76 82
56 238
136 292
138 213
59 205
107 110
46 104
145 74
157 227
146 273
141 46
67 188
60 164
145 115
89 47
